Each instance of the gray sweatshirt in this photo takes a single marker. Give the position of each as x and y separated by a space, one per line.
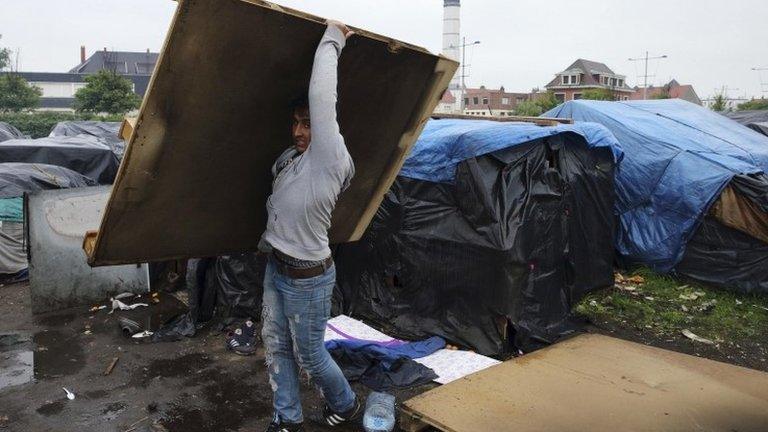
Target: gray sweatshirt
304 193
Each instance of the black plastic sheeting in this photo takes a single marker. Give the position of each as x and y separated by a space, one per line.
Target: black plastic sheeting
761 127
496 260
83 155
726 257
19 178
749 116
228 288
9 132
105 132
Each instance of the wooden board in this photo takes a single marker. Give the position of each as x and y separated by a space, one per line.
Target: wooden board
196 173
598 383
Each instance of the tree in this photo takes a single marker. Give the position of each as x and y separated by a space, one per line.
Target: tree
528 108
16 94
106 92
5 57
664 94
598 94
546 101
754 104
719 103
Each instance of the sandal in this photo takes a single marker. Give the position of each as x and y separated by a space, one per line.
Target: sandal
243 339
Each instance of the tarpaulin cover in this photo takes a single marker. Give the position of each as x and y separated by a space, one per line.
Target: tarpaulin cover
18 178
761 127
678 158
749 116
9 132
105 132
83 155
12 209
517 237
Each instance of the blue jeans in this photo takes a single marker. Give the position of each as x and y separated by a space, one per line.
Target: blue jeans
294 316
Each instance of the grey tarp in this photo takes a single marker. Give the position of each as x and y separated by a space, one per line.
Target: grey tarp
9 132
105 132
13 257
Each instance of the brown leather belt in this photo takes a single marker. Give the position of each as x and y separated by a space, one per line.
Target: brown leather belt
296 272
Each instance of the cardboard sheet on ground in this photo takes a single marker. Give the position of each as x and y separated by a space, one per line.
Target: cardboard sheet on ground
196 174
449 365
598 383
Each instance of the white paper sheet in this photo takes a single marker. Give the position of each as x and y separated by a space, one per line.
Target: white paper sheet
449 365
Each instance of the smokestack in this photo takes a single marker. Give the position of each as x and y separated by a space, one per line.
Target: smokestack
452 35
82 54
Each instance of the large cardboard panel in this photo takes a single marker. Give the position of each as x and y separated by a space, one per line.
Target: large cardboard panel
196 173
598 383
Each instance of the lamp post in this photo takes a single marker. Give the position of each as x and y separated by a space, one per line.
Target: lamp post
463 47
646 58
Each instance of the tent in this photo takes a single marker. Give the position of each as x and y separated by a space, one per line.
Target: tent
107 133
16 179
754 119
83 155
692 193
490 234
8 132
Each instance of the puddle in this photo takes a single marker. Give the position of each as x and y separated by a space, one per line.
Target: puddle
95 394
16 359
57 355
52 408
184 366
55 320
229 402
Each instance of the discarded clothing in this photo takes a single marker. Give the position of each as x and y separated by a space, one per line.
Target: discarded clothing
386 352
376 369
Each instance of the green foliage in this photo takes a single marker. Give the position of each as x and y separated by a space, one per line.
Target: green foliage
546 101
5 58
39 124
720 102
528 108
16 94
754 104
661 95
106 92
665 306
598 94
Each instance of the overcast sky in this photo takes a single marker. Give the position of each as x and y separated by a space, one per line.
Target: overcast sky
710 43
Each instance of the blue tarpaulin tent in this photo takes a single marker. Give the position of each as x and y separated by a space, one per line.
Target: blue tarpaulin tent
678 158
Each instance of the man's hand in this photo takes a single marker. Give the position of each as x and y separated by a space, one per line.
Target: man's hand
341 26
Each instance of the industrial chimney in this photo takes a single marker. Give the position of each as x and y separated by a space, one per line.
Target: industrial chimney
452 35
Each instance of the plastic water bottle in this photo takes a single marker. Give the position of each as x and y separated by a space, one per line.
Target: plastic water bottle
379 413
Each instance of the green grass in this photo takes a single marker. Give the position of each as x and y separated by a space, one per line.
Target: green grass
656 306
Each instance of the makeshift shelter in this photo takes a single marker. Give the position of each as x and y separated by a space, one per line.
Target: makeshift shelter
490 234
9 132
756 120
107 133
692 193
16 179
82 155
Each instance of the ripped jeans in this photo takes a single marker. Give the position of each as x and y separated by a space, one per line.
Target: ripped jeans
295 313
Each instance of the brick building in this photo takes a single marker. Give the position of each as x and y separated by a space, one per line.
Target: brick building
583 75
672 90
487 102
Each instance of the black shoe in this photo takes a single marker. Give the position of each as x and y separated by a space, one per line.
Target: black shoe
243 339
285 427
331 418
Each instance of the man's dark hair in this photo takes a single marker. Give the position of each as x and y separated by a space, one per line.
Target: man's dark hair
301 102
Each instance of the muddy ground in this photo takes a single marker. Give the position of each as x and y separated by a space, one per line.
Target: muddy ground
188 386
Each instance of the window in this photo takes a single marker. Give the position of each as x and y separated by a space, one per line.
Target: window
144 68
621 83
560 97
520 99
576 96
570 79
605 80
466 101
505 101
566 79
613 82
626 97
485 101
474 100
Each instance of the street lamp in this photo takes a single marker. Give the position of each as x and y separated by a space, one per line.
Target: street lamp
646 58
463 47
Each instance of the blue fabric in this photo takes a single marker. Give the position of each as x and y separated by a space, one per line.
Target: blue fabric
388 354
678 157
295 313
12 209
445 143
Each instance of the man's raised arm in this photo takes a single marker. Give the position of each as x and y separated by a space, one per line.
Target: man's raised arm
327 142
